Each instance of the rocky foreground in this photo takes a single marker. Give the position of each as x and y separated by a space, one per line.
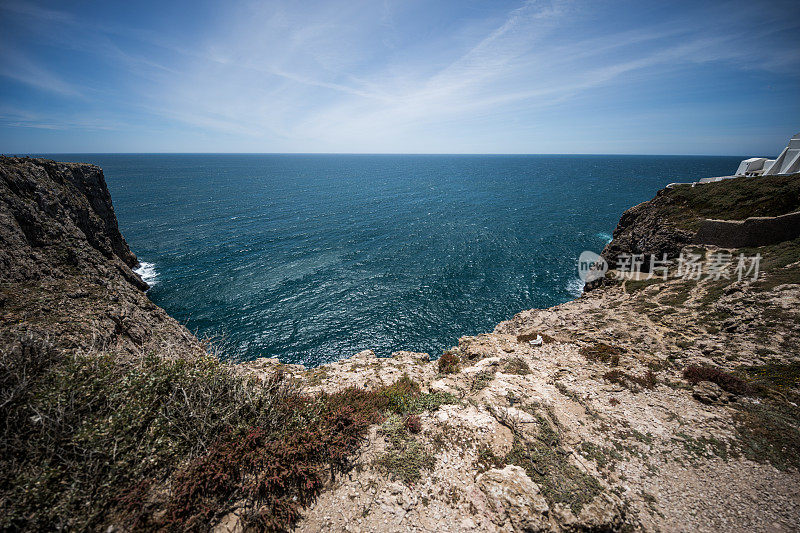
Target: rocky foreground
647 404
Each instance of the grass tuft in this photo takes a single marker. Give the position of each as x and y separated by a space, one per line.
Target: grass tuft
602 352
515 365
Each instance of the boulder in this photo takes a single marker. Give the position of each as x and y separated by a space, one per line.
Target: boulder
604 513
515 499
710 393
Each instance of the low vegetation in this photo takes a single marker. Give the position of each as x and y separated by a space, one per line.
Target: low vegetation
768 433
173 444
695 374
632 382
602 352
765 196
779 264
781 377
448 363
515 365
405 458
768 429
481 380
547 463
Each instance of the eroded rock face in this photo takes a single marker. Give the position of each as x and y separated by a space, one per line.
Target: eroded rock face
603 514
65 269
643 229
47 205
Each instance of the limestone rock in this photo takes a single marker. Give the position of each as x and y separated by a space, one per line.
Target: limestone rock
517 501
711 393
604 513
230 523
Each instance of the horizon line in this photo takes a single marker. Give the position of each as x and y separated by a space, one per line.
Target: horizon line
31 154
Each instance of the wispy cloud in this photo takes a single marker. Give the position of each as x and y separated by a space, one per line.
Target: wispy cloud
13 117
28 9
17 66
369 76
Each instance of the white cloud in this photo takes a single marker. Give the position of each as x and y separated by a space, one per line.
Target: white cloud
357 76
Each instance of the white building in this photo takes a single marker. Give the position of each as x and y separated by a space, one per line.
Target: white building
789 160
786 163
753 166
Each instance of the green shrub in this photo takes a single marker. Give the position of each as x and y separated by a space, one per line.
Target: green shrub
546 463
602 352
82 435
413 424
515 365
405 457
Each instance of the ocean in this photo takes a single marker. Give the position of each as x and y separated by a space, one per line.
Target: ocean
312 258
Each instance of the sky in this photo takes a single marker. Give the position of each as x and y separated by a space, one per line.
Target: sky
461 76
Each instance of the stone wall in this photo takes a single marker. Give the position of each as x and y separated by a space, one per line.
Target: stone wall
754 231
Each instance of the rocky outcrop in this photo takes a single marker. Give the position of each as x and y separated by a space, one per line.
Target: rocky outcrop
745 212
595 428
517 502
65 269
646 229
710 393
48 205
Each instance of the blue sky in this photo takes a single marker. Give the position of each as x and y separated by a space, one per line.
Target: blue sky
400 77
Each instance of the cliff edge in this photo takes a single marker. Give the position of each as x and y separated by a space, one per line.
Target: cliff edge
664 402
65 269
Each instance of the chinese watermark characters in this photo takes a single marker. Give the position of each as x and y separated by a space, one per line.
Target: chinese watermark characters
689 266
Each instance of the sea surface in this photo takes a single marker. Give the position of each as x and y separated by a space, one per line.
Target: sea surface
312 258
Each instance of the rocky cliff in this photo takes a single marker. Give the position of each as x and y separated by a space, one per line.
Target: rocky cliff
65 269
649 404
694 214
645 230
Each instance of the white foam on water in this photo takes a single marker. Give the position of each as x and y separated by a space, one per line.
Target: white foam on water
575 287
147 271
605 236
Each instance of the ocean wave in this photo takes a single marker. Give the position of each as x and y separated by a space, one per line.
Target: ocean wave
575 287
605 236
147 271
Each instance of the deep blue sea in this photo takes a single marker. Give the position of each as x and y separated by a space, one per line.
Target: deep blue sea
311 258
